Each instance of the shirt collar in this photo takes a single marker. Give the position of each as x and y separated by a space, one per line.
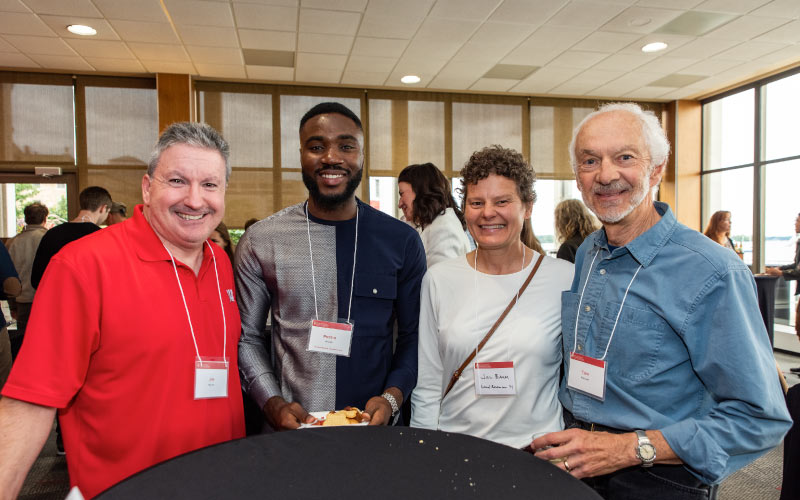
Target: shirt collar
146 242
646 246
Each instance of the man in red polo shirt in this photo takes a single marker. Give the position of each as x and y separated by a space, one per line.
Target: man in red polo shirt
139 380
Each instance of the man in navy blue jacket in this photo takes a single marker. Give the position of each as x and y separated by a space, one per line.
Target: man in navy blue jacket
337 276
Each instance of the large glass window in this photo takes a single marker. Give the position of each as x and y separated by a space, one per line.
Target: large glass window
732 191
728 126
782 103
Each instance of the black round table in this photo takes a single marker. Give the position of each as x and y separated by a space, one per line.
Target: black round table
765 290
363 462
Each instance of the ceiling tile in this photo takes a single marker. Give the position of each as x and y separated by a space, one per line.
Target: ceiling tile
282 3
81 8
464 9
389 47
746 27
423 48
406 8
7 47
672 41
140 31
265 17
329 22
641 20
212 36
788 9
710 67
318 75
679 94
214 55
665 65
749 51
546 78
268 40
62 62
501 34
13 23
159 51
622 86
9 60
221 70
526 12
451 83
603 41
493 84
426 77
677 80
572 88
347 5
161 66
101 48
379 26
471 51
695 23
40 45
785 56
464 70
270 73
788 33
309 62
418 66
446 30
324 44
367 64
702 48
364 78
261 57
199 12
545 44
731 6
623 62
577 59
13 6
59 25
649 92
597 77
140 10
116 65
675 4
585 14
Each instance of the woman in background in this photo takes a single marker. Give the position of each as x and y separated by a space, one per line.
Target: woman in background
573 224
463 297
719 229
221 237
427 204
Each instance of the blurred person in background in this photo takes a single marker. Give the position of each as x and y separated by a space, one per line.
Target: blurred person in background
573 224
118 213
428 205
792 272
719 229
10 289
463 297
221 237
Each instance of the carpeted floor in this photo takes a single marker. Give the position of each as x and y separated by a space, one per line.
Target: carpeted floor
761 480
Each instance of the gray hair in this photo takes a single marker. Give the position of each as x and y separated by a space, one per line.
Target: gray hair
654 136
201 135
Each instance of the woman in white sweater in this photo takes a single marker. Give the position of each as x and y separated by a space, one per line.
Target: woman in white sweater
428 205
508 392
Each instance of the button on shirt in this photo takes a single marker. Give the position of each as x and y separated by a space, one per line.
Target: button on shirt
690 355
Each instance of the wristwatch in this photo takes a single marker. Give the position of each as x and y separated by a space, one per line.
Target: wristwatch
645 451
392 402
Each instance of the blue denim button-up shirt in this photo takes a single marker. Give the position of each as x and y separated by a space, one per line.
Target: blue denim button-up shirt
690 356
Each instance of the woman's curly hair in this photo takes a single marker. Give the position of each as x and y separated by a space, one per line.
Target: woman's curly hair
432 193
508 163
573 220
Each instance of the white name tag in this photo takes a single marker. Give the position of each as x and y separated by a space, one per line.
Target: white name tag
210 378
495 379
331 338
587 375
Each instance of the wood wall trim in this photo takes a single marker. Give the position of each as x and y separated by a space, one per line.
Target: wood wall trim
174 99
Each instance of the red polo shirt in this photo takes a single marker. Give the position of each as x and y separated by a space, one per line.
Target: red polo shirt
108 343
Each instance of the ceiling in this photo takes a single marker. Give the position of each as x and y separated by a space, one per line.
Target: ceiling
536 47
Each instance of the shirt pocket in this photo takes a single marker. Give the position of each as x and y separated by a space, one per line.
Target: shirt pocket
634 350
373 304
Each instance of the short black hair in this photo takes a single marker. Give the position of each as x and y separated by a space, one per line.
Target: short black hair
94 197
325 108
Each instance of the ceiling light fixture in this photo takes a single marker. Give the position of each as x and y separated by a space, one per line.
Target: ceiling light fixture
638 22
80 29
654 47
409 79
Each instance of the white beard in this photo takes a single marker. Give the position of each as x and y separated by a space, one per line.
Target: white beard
614 214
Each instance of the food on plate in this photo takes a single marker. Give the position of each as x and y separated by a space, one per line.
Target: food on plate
348 416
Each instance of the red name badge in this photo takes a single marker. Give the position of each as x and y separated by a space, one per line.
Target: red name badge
587 375
330 337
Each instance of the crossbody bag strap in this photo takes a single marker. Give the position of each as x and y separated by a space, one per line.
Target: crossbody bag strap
457 373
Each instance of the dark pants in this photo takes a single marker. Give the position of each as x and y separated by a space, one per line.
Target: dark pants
667 482
791 448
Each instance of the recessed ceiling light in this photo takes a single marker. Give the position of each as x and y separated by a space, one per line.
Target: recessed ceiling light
639 21
410 79
80 29
654 47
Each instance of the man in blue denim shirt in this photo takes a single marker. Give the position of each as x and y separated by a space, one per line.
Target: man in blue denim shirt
670 383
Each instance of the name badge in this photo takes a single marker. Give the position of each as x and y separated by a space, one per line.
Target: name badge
210 378
330 337
495 379
587 375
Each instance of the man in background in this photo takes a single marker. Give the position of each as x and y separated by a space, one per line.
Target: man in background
22 249
792 272
10 288
117 214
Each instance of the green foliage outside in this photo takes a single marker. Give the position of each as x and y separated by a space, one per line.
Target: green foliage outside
235 235
25 194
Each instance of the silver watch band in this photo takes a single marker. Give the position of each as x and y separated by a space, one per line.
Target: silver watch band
392 402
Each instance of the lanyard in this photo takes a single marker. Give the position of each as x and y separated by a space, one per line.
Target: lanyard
475 285
311 257
578 316
188 316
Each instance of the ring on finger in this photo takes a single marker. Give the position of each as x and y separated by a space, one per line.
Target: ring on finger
566 466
